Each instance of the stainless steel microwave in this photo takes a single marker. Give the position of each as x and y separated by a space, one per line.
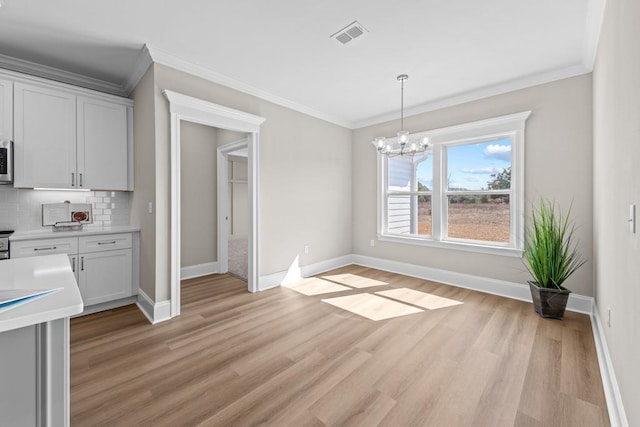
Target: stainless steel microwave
6 161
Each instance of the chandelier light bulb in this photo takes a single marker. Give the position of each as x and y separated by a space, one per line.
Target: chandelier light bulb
403 136
424 141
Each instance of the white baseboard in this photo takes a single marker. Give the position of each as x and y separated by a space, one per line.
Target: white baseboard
518 291
296 273
154 312
577 303
617 414
198 270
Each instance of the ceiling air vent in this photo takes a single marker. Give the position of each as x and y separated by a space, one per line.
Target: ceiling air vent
350 32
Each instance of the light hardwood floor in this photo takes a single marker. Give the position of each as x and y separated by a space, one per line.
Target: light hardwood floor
282 358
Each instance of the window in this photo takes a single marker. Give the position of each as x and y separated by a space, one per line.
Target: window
467 193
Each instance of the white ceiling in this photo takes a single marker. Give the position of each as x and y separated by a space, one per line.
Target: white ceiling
453 50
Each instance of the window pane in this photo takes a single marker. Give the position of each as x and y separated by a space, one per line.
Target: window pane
399 214
399 174
410 214
479 166
424 173
424 215
479 217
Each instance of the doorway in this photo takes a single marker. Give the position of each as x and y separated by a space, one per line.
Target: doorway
182 107
233 208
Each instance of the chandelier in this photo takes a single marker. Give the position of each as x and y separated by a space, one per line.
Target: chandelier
404 144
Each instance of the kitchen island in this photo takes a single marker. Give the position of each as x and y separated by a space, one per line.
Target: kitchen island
34 342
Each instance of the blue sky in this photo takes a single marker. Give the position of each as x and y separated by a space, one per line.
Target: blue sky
470 166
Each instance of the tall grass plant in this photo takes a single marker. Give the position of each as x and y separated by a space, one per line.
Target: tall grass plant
550 252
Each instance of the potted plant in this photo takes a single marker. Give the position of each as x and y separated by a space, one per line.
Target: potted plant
551 257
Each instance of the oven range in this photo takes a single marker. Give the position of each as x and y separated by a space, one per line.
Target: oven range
4 243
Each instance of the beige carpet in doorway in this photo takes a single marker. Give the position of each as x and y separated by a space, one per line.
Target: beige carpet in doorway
238 256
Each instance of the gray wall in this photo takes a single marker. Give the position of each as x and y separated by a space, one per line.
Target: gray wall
558 159
616 82
198 210
304 178
144 179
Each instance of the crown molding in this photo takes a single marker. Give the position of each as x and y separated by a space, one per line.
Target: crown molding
143 61
162 57
474 95
56 74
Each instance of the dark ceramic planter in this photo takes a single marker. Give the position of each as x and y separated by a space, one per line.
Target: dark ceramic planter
549 303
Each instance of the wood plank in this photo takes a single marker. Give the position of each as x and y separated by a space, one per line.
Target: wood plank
282 358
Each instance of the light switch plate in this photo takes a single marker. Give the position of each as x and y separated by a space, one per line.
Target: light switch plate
632 219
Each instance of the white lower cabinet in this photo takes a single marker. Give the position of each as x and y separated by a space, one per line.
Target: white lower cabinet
105 276
103 264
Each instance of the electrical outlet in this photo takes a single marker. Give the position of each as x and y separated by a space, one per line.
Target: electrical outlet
150 207
609 316
306 249
372 243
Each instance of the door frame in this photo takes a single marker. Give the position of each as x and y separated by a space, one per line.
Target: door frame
187 108
223 200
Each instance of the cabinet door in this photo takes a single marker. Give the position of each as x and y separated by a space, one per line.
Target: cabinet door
6 109
19 377
105 276
102 145
45 137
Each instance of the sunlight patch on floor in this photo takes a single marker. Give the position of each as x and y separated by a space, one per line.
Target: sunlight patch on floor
372 307
316 286
421 299
354 280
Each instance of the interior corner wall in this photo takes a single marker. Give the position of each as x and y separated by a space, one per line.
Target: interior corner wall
558 162
198 194
304 179
144 179
616 83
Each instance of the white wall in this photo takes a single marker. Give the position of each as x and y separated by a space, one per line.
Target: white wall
238 206
198 211
616 82
558 159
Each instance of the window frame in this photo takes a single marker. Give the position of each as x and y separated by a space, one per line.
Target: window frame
511 126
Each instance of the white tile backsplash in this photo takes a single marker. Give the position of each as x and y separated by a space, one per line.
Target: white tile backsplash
21 209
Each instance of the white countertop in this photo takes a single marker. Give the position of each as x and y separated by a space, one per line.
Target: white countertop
48 233
42 272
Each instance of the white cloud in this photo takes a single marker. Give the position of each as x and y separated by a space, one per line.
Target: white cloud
497 151
478 171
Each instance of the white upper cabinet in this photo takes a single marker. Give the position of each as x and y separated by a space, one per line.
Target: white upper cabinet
6 109
45 137
102 145
71 139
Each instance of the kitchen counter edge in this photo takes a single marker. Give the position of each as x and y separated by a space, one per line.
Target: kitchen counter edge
50 234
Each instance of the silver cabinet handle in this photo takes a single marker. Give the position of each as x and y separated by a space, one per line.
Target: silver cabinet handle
73 179
107 243
73 264
81 263
80 180
45 249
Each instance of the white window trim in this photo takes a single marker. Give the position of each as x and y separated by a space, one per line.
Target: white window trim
513 126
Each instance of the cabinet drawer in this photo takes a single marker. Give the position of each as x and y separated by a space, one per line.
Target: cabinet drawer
104 242
43 247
